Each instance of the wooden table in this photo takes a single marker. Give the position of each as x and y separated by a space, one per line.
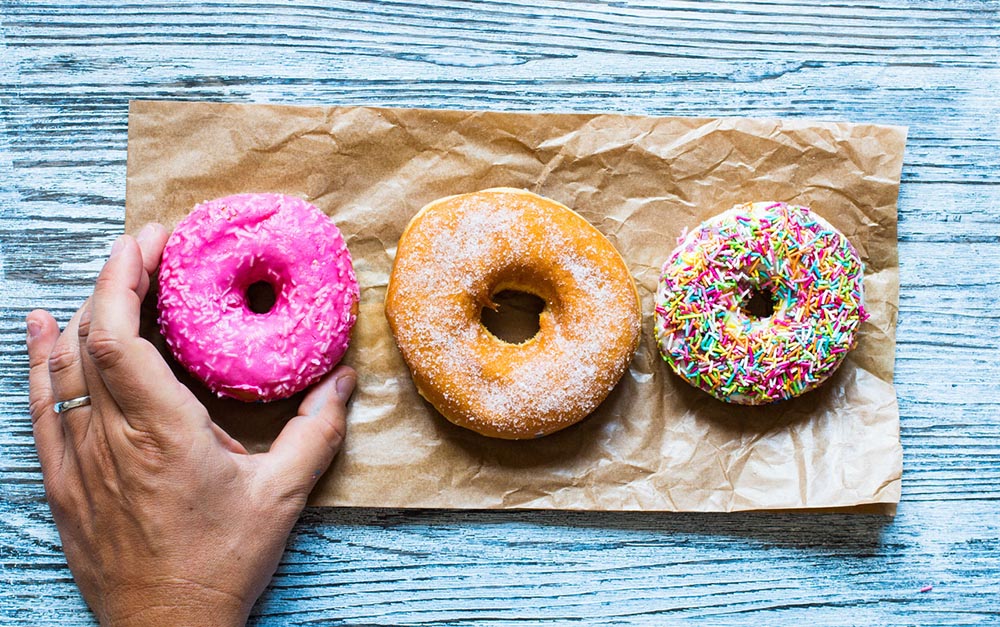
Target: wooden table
68 70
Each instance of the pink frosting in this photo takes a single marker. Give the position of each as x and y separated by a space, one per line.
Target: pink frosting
221 248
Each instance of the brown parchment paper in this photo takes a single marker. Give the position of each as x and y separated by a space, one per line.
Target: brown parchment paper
656 443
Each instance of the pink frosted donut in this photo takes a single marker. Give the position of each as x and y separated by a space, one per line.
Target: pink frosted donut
214 256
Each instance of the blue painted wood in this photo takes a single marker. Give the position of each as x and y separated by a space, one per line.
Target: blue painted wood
68 69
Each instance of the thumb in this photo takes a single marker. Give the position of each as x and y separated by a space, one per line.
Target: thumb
307 445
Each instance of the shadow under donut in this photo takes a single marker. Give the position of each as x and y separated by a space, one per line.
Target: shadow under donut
255 424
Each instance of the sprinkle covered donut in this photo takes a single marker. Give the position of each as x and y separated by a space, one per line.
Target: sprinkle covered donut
455 255
760 303
229 246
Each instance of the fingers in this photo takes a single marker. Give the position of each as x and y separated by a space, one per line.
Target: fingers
308 443
59 371
151 239
66 372
135 374
43 333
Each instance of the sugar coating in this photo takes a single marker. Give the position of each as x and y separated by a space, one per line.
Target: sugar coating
815 276
460 251
220 249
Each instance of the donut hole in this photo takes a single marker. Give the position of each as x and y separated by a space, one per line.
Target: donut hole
759 303
261 297
516 318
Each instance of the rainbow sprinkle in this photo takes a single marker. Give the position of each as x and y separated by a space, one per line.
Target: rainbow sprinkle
813 276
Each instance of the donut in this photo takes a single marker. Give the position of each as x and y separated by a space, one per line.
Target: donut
760 303
229 246
455 255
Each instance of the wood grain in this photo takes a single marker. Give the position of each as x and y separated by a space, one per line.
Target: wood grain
68 69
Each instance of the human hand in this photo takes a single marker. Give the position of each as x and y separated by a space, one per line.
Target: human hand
164 518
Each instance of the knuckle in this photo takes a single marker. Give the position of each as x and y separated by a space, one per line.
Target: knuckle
37 408
36 357
150 446
104 348
332 431
83 328
63 357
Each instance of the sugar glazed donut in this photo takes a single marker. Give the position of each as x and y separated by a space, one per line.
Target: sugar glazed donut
768 256
214 256
455 255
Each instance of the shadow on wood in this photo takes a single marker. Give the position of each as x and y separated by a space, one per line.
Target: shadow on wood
857 534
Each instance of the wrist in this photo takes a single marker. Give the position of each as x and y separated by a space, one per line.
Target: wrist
173 604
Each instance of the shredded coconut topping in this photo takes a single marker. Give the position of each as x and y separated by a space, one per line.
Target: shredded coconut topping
214 255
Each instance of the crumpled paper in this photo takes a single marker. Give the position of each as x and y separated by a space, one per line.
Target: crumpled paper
656 443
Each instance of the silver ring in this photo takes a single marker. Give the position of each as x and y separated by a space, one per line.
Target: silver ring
79 401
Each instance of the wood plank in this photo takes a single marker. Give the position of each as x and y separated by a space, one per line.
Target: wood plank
68 69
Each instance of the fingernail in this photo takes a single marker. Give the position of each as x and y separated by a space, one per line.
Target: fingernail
345 386
118 245
145 233
35 327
